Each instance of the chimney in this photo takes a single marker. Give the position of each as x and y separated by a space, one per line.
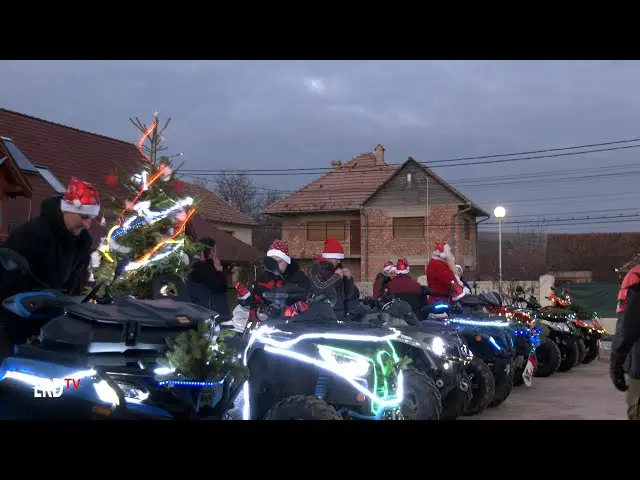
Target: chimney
336 164
379 155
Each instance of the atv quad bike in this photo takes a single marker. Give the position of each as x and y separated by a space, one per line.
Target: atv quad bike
310 367
554 324
436 350
109 349
307 365
490 339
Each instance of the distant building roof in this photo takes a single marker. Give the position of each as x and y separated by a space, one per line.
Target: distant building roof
349 186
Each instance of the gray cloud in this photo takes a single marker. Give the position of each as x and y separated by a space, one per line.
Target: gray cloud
227 114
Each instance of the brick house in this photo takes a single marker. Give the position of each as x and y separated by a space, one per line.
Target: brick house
379 212
37 157
589 257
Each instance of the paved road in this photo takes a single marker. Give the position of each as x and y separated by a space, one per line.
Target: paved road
583 393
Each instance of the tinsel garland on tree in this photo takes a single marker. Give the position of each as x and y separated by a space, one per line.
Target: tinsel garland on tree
149 228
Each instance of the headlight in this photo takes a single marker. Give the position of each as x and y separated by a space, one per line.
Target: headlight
344 362
438 346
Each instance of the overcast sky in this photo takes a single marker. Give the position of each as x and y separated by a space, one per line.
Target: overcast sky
298 114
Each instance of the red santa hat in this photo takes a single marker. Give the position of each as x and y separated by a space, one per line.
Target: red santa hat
280 249
81 198
332 249
402 266
442 250
387 266
243 292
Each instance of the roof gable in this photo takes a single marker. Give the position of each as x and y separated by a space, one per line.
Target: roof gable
350 186
464 199
345 187
67 151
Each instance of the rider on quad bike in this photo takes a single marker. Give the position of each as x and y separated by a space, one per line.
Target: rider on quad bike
388 273
440 272
405 287
57 246
329 278
290 273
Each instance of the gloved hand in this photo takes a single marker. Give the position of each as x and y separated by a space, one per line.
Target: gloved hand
617 377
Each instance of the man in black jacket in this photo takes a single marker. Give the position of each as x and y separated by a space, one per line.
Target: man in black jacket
289 269
328 278
56 244
207 284
625 348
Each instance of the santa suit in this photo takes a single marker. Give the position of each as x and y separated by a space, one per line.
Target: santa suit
440 276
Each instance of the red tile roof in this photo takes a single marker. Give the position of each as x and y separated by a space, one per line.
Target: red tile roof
214 208
229 248
600 253
348 187
343 188
67 151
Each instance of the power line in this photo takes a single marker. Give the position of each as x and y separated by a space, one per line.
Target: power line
495 159
550 222
498 181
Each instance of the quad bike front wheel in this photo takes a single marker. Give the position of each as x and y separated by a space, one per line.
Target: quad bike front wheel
549 357
302 407
591 355
483 386
421 396
504 386
570 357
582 351
457 401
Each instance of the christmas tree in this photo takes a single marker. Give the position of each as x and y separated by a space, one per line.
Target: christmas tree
149 230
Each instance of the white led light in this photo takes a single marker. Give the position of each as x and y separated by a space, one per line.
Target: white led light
348 366
438 346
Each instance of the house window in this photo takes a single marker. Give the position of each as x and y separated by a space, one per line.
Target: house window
320 231
20 158
408 227
51 179
467 230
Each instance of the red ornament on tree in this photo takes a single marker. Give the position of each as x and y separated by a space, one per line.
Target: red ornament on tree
112 180
177 185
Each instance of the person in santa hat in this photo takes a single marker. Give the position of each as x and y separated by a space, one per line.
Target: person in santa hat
383 278
56 244
405 287
330 278
460 273
289 269
442 277
207 282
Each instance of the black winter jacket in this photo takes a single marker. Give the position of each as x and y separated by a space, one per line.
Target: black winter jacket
292 275
323 279
56 257
208 287
625 348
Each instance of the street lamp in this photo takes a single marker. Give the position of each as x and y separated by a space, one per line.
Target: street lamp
499 213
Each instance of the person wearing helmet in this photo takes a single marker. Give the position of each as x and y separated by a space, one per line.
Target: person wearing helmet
625 348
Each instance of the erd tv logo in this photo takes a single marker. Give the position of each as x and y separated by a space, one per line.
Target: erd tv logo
54 387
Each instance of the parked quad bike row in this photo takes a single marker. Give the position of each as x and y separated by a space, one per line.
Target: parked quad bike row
379 362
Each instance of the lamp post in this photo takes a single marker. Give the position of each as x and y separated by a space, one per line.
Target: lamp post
499 213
